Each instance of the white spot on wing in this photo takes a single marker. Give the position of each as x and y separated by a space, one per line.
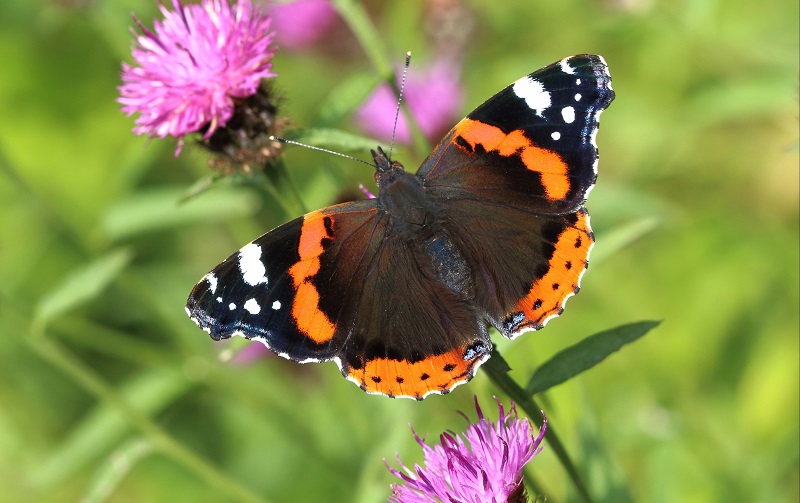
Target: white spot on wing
555 135
534 94
219 299
188 313
252 306
212 282
231 306
276 305
564 64
251 266
578 97
568 113
577 82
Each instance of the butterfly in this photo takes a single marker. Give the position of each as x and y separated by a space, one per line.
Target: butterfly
400 290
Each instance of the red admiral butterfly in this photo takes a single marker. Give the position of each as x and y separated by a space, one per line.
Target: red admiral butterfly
400 290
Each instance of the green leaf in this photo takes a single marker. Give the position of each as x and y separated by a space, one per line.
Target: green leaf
81 286
497 363
160 209
333 139
585 355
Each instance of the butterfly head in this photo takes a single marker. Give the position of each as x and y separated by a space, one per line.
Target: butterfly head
386 170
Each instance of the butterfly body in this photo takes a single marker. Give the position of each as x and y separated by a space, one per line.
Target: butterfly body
400 290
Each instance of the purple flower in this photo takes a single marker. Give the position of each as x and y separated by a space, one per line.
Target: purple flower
434 96
482 465
191 69
299 24
251 353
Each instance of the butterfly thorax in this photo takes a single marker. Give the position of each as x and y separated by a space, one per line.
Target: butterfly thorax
402 198
413 219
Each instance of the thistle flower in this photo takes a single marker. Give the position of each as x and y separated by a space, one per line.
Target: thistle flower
434 96
190 71
301 23
253 352
482 465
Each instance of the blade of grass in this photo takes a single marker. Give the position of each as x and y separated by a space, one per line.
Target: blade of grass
149 393
119 464
80 286
61 358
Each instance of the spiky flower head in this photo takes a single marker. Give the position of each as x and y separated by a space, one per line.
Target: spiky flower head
482 465
190 71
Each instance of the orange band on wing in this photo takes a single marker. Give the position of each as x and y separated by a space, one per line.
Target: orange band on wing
547 295
552 169
308 317
438 374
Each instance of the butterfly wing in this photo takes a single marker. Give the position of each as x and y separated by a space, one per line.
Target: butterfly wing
332 285
408 335
267 291
513 177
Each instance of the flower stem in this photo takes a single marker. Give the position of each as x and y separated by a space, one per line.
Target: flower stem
283 172
497 370
357 19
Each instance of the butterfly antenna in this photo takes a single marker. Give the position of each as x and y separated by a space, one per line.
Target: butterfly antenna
399 100
312 147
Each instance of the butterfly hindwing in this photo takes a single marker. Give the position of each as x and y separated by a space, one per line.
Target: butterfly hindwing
409 335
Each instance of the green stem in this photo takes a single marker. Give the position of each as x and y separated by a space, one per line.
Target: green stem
114 471
268 187
500 377
369 37
371 42
284 175
161 440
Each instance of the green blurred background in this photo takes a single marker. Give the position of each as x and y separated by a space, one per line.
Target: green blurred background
109 393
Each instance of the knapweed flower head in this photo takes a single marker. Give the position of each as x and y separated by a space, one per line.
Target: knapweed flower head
191 69
434 96
301 23
482 465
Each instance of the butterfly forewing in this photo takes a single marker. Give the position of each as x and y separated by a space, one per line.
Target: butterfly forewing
531 145
268 290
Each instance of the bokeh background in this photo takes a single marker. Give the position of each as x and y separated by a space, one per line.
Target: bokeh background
109 393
